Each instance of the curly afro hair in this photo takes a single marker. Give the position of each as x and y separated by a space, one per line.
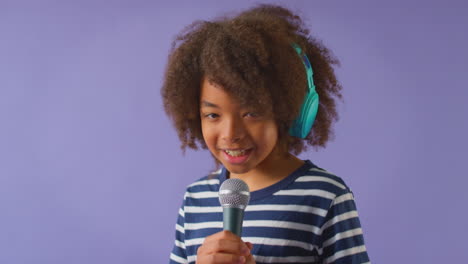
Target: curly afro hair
251 57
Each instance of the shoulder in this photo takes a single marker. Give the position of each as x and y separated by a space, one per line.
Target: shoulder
206 186
319 174
210 179
316 178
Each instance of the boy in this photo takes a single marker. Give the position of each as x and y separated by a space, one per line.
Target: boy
244 88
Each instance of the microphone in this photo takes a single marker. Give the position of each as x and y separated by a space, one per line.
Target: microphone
234 196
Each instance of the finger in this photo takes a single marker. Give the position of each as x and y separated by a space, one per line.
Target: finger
213 243
225 234
250 260
221 258
223 246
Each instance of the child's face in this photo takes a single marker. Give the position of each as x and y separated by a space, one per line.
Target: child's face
238 137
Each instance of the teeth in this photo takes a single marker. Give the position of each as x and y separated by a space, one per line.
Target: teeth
235 153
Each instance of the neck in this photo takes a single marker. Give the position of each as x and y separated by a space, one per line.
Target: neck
270 171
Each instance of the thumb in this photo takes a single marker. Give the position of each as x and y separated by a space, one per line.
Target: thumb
249 245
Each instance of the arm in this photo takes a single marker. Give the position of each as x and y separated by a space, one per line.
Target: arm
342 237
178 254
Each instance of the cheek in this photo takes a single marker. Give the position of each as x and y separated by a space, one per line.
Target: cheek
208 136
272 132
267 135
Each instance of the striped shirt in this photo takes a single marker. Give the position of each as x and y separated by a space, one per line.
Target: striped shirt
308 217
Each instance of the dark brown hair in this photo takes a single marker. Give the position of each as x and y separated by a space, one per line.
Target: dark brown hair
251 57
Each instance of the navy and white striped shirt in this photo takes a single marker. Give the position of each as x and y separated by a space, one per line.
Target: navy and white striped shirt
308 217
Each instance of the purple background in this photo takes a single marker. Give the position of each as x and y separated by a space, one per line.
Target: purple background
90 167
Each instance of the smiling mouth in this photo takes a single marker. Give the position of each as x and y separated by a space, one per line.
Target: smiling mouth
235 153
237 156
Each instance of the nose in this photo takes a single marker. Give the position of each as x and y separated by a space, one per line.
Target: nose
233 130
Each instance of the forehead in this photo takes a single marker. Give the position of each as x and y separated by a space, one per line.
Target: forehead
215 95
210 91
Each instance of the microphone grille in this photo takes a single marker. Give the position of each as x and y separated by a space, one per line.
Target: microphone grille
234 193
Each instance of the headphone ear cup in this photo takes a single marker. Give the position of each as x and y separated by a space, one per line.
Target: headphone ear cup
313 102
302 126
308 114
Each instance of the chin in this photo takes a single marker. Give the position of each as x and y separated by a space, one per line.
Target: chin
239 169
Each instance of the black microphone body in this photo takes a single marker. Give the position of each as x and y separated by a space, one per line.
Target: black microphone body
232 220
234 196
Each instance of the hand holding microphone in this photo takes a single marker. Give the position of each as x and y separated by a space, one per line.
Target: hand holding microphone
226 246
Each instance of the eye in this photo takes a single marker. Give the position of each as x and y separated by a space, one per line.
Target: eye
210 116
252 114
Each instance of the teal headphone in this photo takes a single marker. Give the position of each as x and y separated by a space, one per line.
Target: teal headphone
303 124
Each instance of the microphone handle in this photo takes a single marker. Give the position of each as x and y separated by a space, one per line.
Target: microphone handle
232 220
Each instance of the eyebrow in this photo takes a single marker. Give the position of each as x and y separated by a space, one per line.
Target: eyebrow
208 104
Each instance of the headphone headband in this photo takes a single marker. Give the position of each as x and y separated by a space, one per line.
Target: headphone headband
302 126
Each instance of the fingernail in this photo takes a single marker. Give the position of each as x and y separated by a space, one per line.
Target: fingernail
245 250
241 260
